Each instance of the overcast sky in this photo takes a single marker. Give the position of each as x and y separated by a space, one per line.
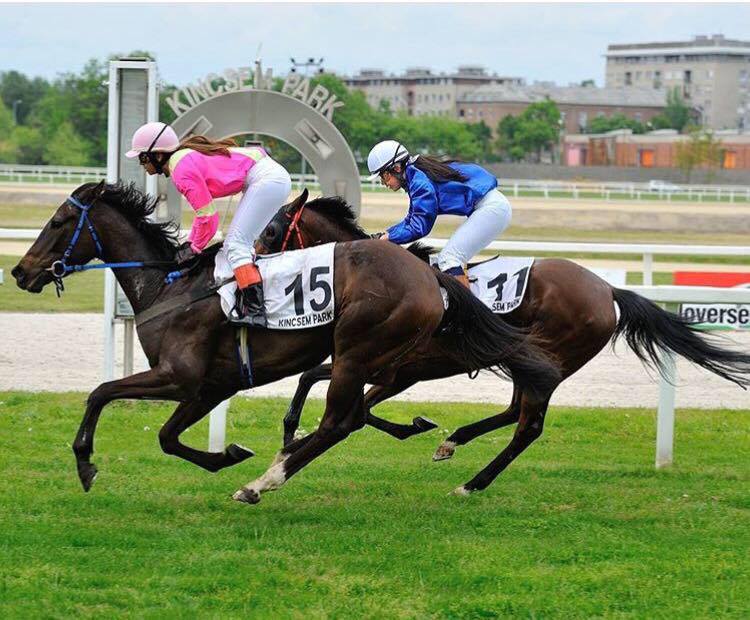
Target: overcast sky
559 42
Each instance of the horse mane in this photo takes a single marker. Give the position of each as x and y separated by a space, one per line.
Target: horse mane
337 210
137 207
421 251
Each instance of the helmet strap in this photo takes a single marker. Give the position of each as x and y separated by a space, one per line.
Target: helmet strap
152 157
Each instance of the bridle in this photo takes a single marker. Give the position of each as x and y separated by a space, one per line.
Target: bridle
294 228
60 268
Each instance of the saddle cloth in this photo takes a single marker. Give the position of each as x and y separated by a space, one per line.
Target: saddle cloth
501 282
297 286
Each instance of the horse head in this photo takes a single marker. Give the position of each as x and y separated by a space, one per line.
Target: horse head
36 269
302 224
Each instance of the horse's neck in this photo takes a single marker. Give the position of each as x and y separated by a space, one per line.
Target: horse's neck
122 242
326 231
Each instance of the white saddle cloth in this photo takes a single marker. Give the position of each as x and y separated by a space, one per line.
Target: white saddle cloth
297 286
501 282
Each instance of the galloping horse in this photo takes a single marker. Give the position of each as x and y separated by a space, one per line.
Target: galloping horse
569 308
388 304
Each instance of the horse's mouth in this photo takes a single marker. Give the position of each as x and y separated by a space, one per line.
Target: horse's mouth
36 284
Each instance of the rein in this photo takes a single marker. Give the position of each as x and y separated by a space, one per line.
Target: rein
294 227
60 268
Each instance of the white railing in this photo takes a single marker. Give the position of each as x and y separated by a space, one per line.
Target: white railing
625 191
20 173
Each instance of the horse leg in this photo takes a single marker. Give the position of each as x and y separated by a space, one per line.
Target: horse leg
155 383
306 381
187 414
465 434
530 426
344 414
377 395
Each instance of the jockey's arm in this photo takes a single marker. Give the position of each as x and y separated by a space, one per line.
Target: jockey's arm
204 227
421 217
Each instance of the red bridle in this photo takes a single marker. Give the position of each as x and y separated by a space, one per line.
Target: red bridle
294 227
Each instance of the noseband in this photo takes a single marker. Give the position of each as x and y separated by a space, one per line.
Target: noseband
60 268
294 228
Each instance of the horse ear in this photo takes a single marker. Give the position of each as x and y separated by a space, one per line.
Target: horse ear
298 202
97 191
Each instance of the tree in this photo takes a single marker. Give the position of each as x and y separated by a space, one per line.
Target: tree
16 87
483 136
700 148
8 147
537 128
603 124
676 115
67 148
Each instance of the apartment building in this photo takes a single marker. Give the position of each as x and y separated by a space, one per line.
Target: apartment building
578 104
712 73
422 92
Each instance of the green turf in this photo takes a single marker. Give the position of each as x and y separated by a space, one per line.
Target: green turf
580 526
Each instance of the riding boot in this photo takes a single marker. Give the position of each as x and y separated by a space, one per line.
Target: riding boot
459 274
248 308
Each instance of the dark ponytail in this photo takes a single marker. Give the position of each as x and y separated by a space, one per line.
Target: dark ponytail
438 170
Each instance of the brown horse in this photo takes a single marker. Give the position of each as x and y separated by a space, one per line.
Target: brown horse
569 308
388 304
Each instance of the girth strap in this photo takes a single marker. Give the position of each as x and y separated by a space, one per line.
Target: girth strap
180 301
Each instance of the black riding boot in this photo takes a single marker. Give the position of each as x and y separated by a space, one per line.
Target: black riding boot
248 306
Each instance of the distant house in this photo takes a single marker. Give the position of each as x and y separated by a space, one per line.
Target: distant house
578 104
657 149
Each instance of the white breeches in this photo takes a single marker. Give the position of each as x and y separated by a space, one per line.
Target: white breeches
267 188
490 218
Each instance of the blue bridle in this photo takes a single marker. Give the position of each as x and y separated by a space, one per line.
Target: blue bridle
61 268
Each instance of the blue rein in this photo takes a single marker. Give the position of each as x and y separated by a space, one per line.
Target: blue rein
60 268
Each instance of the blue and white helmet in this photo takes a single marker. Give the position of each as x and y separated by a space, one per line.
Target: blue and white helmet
383 155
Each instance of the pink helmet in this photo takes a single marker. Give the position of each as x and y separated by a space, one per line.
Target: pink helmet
156 137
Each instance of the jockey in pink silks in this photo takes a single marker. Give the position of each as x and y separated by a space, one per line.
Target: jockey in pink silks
201 170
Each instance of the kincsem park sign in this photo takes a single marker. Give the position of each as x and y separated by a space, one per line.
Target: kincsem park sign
244 78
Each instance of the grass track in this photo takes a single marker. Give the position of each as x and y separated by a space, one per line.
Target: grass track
580 526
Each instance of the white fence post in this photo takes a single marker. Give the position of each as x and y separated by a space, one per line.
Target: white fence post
217 427
648 269
665 414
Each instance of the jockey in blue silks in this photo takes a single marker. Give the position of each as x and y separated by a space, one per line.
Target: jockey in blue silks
436 187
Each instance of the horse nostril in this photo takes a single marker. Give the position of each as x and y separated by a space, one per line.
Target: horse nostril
17 272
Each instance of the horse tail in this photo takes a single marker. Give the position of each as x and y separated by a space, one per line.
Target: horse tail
647 328
477 339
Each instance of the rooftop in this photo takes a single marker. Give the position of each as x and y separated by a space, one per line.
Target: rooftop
580 95
701 44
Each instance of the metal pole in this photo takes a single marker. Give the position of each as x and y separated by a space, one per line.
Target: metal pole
110 284
217 427
665 414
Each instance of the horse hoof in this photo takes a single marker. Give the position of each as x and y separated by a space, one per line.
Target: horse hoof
461 491
445 451
248 496
239 453
87 473
423 424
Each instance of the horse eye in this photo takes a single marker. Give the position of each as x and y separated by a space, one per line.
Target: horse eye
56 223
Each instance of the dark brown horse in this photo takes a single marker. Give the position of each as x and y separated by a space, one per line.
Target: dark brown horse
569 308
388 305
